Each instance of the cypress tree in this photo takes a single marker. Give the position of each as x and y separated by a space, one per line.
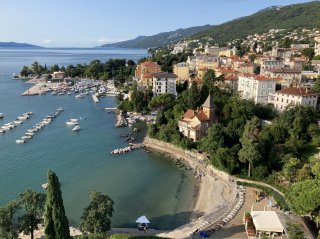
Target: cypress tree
55 220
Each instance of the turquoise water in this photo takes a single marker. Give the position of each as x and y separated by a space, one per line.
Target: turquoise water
138 182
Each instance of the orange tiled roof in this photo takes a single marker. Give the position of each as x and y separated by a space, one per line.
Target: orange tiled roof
299 91
201 116
149 64
260 77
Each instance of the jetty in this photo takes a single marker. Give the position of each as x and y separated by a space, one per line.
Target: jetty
127 149
120 120
95 98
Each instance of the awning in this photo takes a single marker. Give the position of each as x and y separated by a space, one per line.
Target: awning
142 219
267 221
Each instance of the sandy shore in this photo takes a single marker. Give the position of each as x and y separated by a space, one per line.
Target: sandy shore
215 197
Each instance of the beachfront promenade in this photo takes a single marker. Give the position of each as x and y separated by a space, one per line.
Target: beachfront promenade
217 196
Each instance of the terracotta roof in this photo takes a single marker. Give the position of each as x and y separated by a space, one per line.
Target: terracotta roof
260 77
299 91
231 78
284 71
189 114
150 75
201 116
164 75
149 64
224 70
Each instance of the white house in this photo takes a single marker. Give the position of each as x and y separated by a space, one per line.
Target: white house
293 96
164 82
256 87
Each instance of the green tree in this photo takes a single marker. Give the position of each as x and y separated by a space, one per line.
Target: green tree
25 71
290 169
308 53
162 102
33 203
305 197
295 231
96 217
316 85
249 153
56 225
8 228
213 141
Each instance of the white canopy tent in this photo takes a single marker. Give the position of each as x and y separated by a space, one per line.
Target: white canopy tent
142 219
267 221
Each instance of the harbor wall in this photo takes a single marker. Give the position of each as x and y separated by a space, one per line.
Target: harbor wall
189 156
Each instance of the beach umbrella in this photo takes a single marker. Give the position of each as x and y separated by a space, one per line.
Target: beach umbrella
142 219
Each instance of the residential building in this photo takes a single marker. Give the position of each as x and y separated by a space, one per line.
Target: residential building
284 53
195 123
192 62
164 82
182 71
245 68
293 76
207 62
58 75
270 64
225 71
232 82
291 96
256 87
145 68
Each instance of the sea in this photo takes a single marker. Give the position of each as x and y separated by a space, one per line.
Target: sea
140 183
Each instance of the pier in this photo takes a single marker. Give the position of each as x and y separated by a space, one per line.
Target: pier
95 98
127 149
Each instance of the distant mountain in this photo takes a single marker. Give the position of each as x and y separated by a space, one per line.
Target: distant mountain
160 39
297 16
17 45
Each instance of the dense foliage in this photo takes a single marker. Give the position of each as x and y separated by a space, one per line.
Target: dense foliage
158 40
306 15
96 217
118 69
56 225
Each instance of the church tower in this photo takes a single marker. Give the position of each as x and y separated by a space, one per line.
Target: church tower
209 108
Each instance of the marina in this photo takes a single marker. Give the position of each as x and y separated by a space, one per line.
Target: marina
82 160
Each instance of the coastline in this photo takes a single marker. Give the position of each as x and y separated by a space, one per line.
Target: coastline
215 195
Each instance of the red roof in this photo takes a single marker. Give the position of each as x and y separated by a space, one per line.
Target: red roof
149 64
231 78
295 71
190 114
299 91
260 77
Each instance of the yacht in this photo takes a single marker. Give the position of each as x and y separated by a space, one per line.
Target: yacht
72 122
20 141
76 128
81 95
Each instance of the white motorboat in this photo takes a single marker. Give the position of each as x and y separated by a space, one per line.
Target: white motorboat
72 122
81 95
60 109
76 128
26 137
17 122
20 141
2 131
29 133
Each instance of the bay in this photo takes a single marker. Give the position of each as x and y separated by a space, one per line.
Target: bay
138 182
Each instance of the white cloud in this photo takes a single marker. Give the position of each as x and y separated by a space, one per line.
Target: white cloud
47 41
104 40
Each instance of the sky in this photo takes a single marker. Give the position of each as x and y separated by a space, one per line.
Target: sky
89 23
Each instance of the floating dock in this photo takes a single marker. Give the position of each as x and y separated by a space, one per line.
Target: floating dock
95 98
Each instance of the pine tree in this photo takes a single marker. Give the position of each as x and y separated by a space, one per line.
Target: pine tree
55 220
